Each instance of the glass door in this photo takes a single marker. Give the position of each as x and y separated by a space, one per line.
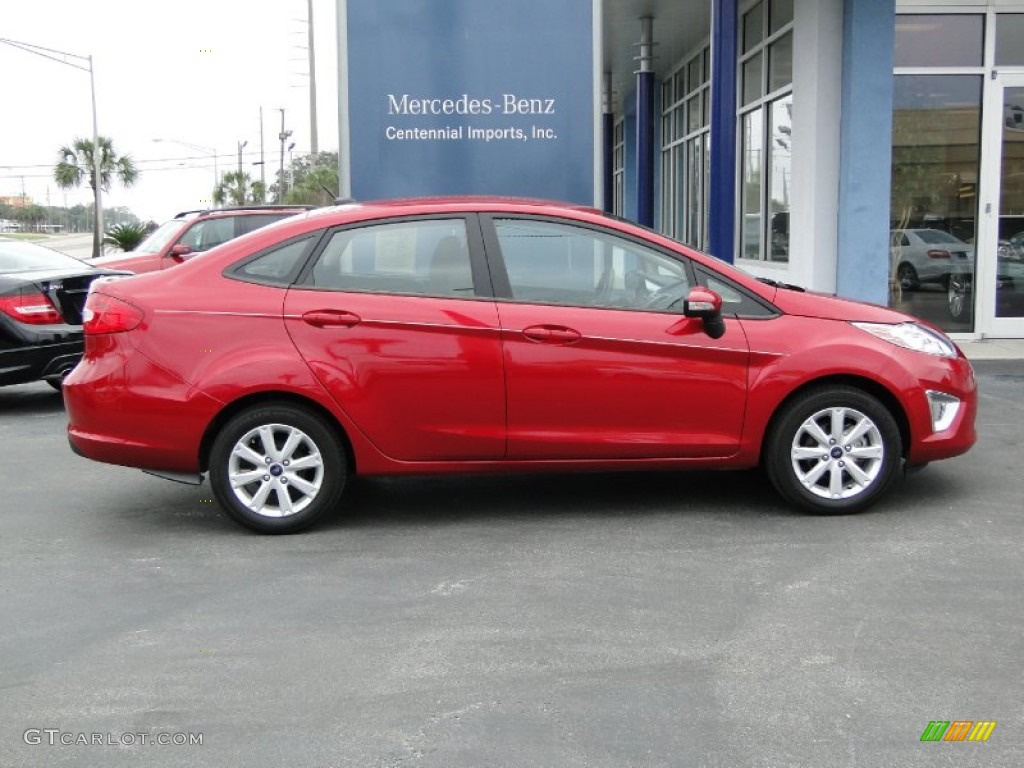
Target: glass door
999 279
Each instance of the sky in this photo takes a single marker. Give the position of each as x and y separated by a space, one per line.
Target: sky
188 72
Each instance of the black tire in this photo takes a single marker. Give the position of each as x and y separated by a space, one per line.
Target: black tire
807 463
907 277
279 498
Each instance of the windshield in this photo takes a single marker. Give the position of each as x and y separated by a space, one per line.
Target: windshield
161 236
24 257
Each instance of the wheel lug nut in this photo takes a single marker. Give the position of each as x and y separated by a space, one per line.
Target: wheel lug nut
267 460
286 462
842 463
266 477
284 481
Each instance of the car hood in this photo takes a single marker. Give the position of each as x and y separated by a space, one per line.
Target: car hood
831 307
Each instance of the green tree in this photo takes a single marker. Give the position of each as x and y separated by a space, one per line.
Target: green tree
126 235
238 188
310 179
75 164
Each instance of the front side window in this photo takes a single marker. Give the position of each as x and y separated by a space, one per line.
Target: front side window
553 263
422 258
208 233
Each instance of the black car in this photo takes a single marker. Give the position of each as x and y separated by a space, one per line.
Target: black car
42 293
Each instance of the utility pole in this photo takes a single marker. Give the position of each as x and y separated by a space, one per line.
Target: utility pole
283 136
312 83
263 160
241 146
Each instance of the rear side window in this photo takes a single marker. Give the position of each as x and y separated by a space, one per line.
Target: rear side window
423 257
278 266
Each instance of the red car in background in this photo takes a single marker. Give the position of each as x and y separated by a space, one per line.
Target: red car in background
489 334
192 232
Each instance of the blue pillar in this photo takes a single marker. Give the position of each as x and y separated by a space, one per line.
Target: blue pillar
645 126
722 184
865 150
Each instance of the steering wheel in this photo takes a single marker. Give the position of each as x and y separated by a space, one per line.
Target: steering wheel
668 295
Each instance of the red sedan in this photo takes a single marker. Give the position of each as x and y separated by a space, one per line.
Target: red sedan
482 335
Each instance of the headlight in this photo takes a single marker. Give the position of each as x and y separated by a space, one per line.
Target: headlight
911 336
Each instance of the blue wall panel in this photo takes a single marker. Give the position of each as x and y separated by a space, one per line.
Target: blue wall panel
865 151
471 97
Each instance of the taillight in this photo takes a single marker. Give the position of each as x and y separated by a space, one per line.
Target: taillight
938 253
105 314
30 308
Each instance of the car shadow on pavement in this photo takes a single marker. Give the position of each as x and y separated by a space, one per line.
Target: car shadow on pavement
31 399
445 500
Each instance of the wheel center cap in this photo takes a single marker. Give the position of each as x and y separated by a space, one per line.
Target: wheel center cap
276 470
835 453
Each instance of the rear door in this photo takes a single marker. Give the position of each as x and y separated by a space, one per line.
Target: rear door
397 321
599 360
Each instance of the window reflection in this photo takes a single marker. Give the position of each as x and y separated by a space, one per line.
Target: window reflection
933 211
939 40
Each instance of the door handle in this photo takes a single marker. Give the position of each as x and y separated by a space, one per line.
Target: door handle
323 318
551 334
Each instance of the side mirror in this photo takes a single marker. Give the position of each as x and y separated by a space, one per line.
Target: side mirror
179 250
705 304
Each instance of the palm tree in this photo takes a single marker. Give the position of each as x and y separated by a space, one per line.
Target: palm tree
75 164
238 188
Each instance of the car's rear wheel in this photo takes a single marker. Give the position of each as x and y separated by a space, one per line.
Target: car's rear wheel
907 277
833 450
277 468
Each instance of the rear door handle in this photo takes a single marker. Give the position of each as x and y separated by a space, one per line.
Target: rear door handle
551 334
323 318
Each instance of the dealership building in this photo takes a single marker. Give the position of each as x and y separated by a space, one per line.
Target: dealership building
870 148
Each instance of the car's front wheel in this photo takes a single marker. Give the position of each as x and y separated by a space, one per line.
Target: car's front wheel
833 450
276 468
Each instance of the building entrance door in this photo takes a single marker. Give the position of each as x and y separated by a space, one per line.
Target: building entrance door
999 276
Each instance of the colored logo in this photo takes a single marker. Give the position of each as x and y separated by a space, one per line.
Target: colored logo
958 730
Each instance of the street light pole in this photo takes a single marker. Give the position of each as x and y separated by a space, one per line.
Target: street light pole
283 136
241 146
52 54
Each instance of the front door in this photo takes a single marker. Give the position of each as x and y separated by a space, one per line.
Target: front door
1000 270
600 363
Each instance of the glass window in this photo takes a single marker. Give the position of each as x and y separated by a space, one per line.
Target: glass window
426 258
246 224
780 63
780 177
780 15
939 40
549 263
278 266
936 133
753 27
752 79
208 233
1010 40
750 236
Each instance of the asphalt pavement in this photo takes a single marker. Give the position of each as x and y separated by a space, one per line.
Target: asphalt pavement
564 620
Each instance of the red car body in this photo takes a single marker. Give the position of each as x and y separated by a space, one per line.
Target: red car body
491 381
